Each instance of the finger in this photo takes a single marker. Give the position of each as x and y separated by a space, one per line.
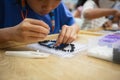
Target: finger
61 36
37 22
67 35
72 37
39 29
35 28
34 34
106 25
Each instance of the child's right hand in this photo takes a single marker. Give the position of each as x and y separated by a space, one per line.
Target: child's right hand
30 30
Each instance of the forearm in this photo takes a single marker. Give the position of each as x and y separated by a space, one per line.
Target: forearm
97 13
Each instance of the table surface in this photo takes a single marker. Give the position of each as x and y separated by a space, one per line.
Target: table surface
79 67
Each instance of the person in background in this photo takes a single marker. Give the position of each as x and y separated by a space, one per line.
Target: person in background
94 17
33 20
113 21
78 8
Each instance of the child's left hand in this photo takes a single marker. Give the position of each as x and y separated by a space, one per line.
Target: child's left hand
67 35
107 25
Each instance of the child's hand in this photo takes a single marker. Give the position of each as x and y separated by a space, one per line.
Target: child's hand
107 25
116 18
67 35
30 30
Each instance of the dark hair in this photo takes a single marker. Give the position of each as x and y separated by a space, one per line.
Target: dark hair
80 3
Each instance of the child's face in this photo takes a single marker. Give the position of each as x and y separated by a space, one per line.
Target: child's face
43 7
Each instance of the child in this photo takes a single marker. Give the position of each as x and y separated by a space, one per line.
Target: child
33 20
93 16
111 18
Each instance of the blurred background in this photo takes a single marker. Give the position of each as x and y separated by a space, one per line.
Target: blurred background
71 4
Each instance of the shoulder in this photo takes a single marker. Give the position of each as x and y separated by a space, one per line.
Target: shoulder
2 4
2 10
2 7
61 6
62 9
8 1
1 1
64 14
89 3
